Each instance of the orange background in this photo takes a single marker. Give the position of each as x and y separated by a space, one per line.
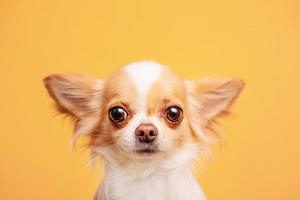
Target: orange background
255 40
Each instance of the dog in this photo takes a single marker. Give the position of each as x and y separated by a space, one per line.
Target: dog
148 124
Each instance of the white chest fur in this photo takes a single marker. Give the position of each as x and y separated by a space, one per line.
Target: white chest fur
176 184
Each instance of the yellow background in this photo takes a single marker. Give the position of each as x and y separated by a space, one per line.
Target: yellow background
258 41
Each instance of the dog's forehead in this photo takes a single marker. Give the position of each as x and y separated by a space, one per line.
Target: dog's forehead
144 74
143 82
147 75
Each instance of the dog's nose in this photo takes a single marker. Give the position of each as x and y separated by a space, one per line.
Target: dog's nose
146 133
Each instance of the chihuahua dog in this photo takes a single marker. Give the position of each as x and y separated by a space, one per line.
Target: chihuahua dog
148 124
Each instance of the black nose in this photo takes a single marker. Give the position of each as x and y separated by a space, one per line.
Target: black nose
146 133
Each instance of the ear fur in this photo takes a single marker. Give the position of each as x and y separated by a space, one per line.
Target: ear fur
209 98
78 96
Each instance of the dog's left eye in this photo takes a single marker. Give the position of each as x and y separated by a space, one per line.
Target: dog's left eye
174 114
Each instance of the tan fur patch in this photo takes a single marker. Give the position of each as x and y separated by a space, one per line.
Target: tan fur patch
168 91
119 90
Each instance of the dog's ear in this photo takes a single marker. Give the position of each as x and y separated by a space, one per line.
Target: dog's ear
209 98
78 96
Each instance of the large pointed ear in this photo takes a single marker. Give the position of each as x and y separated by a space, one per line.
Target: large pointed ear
78 96
210 97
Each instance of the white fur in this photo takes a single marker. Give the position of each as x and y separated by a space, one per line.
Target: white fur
169 179
144 74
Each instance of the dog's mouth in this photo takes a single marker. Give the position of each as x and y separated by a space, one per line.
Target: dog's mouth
146 151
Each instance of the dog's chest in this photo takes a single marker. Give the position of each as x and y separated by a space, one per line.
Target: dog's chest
176 185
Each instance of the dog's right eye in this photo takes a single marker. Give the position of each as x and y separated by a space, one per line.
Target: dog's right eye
117 114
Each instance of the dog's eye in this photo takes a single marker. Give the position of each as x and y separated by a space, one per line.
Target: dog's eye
174 114
117 114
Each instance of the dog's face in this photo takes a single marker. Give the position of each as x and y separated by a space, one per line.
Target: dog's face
144 110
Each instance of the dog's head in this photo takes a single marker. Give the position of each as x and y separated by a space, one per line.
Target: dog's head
144 110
